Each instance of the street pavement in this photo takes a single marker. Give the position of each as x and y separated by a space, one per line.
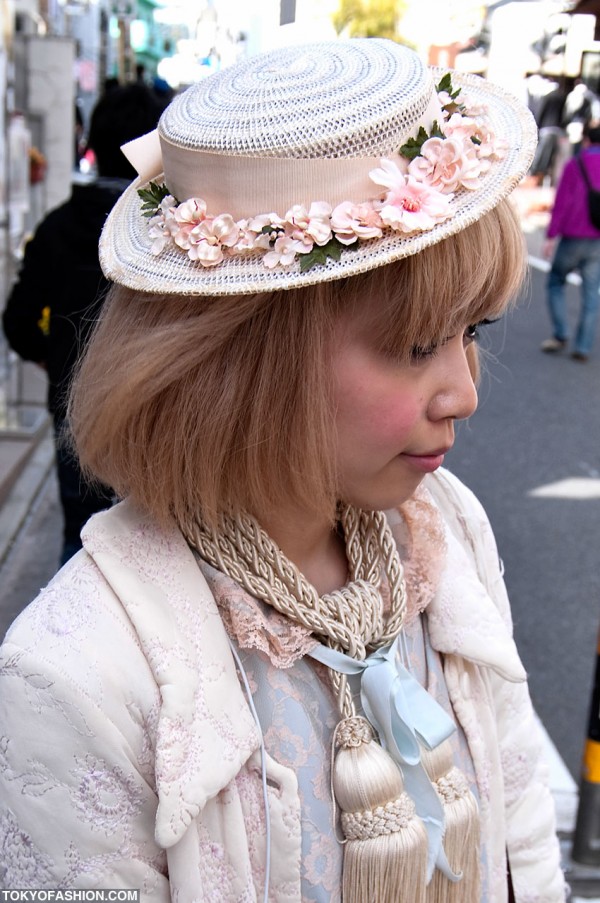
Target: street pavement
30 541
31 556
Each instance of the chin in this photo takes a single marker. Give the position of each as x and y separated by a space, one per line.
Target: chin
384 498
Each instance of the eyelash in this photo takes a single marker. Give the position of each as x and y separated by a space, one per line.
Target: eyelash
471 334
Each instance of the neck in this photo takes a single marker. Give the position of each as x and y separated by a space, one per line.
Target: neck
316 549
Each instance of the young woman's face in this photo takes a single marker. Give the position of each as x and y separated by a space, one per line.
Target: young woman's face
395 419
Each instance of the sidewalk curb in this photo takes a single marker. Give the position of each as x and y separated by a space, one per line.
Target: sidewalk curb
22 495
583 880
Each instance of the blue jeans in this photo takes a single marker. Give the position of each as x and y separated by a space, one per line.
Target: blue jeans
582 254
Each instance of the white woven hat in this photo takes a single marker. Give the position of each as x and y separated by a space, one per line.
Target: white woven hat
311 163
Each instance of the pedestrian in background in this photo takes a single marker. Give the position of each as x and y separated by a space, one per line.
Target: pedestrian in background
578 249
60 287
581 106
283 667
550 152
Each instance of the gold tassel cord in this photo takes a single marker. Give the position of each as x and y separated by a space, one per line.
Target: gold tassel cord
386 843
461 836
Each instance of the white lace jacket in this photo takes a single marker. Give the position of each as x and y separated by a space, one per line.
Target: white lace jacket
129 757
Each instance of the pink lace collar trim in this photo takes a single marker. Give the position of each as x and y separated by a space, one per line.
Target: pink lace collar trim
419 532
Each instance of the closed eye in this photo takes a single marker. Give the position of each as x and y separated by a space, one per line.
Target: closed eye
419 353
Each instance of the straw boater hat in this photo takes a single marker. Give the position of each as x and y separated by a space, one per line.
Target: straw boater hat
311 163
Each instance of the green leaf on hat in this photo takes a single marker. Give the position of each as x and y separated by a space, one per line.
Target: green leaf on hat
447 86
152 197
320 254
413 146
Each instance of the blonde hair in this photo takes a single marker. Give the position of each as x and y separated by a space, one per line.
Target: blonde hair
201 405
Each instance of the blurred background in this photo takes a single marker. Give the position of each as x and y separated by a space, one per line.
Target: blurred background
58 56
532 451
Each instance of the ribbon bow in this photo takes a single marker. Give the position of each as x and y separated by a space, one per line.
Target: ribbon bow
406 718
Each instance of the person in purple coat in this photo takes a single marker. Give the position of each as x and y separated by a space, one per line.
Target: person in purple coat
578 248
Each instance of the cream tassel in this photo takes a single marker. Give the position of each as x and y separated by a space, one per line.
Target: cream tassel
385 858
461 836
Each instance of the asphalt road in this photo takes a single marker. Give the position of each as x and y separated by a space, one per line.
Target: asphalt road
33 559
538 424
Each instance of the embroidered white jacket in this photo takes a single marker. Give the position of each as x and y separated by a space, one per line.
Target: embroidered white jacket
129 757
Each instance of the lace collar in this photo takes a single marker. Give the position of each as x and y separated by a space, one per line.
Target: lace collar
418 529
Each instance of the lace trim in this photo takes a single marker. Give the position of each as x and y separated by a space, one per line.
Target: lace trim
418 529
255 625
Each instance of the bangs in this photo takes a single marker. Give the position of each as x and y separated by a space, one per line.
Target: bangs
209 405
421 300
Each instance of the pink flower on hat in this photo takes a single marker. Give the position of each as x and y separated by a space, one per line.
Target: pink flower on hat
209 237
416 189
284 252
183 219
159 231
445 99
458 126
312 226
471 106
353 221
246 237
266 228
491 147
447 164
158 235
258 223
487 145
409 205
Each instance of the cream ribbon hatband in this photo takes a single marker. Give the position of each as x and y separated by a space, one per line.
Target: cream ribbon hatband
246 186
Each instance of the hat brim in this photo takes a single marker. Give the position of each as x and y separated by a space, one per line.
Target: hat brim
125 246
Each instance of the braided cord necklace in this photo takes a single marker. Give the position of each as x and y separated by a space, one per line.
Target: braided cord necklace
350 619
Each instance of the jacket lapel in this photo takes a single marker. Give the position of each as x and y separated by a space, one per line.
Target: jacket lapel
464 620
205 729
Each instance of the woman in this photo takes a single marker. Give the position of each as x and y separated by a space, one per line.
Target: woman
577 248
283 668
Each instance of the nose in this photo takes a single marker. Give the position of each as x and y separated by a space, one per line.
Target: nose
456 397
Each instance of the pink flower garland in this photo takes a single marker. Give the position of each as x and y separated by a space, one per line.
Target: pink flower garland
414 197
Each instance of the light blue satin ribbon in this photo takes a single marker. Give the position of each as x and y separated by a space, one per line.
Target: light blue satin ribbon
405 717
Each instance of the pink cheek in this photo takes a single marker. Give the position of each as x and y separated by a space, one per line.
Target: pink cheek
373 404
393 421
376 417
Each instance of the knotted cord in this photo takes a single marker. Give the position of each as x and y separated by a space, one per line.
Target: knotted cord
352 618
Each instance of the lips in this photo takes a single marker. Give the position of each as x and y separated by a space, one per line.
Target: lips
427 462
